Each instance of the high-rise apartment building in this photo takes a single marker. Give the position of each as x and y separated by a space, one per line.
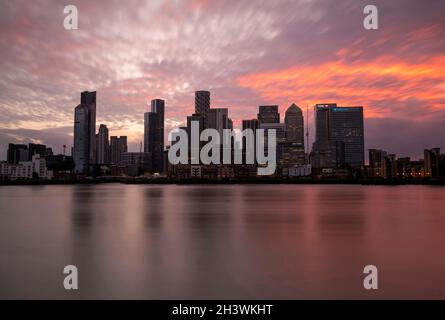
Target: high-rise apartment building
118 145
85 133
103 145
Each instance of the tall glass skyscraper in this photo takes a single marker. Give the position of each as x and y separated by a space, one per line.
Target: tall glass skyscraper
346 125
340 124
294 124
81 139
85 133
154 134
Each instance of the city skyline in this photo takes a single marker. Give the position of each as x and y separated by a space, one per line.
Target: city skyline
341 124
246 55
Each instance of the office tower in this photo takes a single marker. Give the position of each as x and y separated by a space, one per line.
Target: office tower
218 119
194 148
294 124
347 126
343 124
202 104
291 154
322 122
268 114
280 135
85 133
280 131
17 153
328 154
432 162
230 124
251 124
154 134
103 145
39 149
118 145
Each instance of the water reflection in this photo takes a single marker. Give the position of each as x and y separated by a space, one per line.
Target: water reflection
81 206
222 241
153 206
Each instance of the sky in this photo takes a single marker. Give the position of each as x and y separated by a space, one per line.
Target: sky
247 53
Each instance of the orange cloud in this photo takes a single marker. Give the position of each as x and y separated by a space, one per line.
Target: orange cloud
379 85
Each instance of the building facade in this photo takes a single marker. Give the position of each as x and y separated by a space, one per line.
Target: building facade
338 124
103 145
154 134
294 121
268 114
202 105
84 149
118 145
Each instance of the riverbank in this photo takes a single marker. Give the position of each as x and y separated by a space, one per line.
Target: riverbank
311 181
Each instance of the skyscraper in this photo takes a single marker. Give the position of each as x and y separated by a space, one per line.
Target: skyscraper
81 139
291 152
154 134
202 104
103 145
280 131
268 114
194 146
118 145
218 119
251 124
89 99
347 126
85 133
294 124
341 124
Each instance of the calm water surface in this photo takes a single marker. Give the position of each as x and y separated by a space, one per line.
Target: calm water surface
222 241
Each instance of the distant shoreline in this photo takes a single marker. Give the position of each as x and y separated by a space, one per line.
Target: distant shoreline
158 181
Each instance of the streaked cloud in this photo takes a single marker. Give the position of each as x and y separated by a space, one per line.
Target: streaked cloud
246 52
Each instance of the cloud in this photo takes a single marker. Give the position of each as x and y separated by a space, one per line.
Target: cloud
246 52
